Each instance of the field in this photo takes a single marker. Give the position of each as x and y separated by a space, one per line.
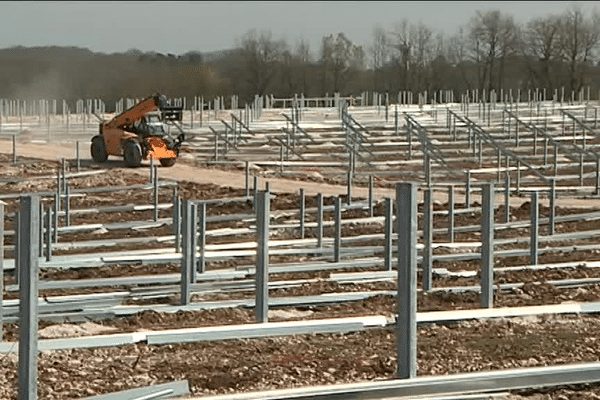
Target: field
115 266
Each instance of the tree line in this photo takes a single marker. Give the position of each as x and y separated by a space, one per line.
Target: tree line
491 51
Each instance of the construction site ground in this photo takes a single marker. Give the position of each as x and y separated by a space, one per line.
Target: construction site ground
295 361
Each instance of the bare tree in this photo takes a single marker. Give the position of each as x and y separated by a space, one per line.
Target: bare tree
493 37
542 49
580 36
261 54
340 58
379 54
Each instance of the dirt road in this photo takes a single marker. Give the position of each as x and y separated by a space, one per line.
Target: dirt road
183 171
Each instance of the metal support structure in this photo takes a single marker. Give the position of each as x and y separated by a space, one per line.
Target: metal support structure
388 227
67 205
155 192
188 251
468 191
487 246
247 173
337 236
406 323
302 212
49 234
28 305
177 221
262 256
201 210
370 198
349 192
552 205
450 214
534 217
507 198
55 220
427 264
320 220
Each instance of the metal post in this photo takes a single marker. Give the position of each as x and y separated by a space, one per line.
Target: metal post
155 183
14 148
555 159
487 246
262 256
49 234
349 189
507 198
16 255
177 220
320 220
201 237
255 190
534 215
78 160
450 214
248 179
41 232
67 205
302 212
370 195
388 234
581 169
597 176
28 304
337 239
406 323
552 202
55 220
427 238
468 190
187 252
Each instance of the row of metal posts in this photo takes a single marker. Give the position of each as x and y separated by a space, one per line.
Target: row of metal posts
406 218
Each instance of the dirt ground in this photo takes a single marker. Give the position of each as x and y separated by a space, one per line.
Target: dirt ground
294 361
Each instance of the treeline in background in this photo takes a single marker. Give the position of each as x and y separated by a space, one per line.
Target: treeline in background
491 51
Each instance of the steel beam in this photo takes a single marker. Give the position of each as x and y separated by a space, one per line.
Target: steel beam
487 246
262 256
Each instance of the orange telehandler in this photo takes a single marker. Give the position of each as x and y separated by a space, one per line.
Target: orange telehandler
138 133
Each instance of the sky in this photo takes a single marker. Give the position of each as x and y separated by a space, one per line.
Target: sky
204 26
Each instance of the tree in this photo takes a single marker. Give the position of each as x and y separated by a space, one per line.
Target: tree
380 55
340 59
542 49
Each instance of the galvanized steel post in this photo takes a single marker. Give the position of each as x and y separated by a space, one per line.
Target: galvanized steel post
187 256
302 212
370 195
247 171
67 205
468 190
487 246
155 184
55 221
177 221
337 236
406 323
49 234
507 198
262 256
450 214
28 304
388 227
349 192
427 238
320 220
202 236
534 217
552 202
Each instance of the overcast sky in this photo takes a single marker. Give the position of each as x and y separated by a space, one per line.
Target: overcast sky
177 27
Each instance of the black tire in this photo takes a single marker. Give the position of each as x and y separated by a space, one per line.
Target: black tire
132 154
167 162
98 150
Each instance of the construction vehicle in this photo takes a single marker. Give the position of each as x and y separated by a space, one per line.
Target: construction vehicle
139 133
